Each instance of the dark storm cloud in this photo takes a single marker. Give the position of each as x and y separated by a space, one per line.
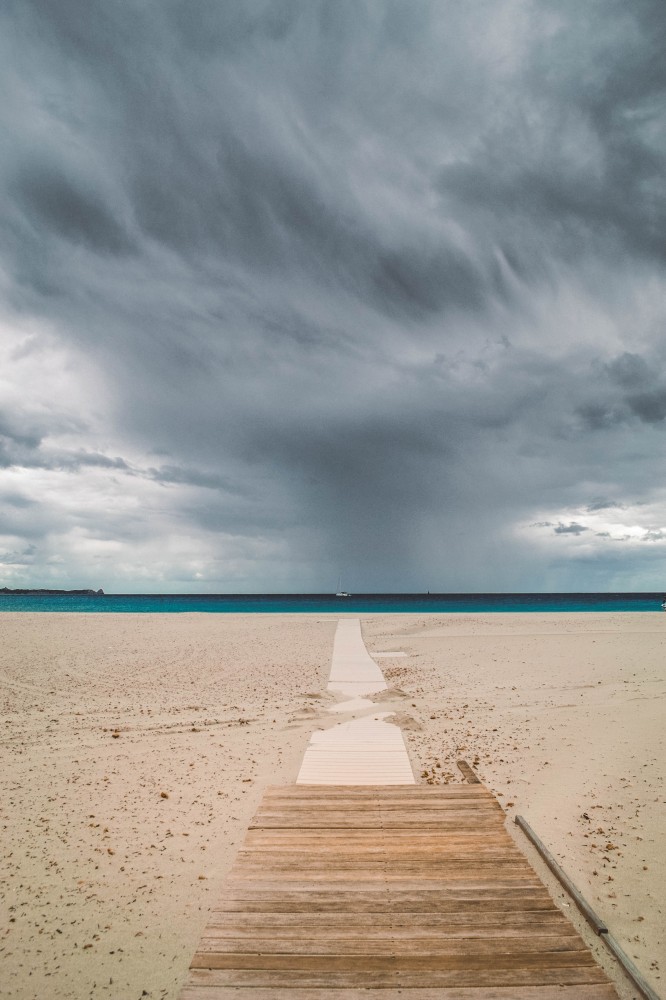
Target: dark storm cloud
62 206
379 280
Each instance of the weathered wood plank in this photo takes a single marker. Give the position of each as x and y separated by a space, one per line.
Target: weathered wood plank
377 923
325 851
430 946
479 885
393 840
377 790
468 773
578 992
393 869
437 901
373 794
465 960
416 820
302 979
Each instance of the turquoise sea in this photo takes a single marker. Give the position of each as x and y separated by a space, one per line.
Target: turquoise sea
329 604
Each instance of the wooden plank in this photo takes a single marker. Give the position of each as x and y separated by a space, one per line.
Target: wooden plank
406 809
439 901
324 851
411 820
477 886
371 795
307 979
432 946
379 875
446 924
329 799
466 960
399 836
336 803
333 804
578 992
262 837
395 866
469 774
378 791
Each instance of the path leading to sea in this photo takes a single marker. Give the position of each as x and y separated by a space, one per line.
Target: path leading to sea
355 882
365 751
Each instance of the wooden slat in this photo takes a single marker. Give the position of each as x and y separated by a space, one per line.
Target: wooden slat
378 791
400 838
485 945
578 992
436 901
377 923
477 886
468 773
338 890
417 970
380 980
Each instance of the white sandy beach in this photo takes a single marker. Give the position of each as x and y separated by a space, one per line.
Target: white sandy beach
565 719
136 748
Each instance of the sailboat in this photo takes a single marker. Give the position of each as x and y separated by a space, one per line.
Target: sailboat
340 592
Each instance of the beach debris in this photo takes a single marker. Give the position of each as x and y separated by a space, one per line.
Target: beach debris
164 795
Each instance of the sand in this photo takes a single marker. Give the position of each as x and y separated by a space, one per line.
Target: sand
564 717
136 748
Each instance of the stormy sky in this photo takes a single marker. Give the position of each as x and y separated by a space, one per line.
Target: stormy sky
298 288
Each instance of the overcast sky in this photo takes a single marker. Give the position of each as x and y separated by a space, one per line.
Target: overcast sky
298 288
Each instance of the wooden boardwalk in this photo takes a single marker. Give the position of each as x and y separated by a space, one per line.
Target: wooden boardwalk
415 891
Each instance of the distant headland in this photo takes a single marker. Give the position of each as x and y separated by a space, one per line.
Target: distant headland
49 593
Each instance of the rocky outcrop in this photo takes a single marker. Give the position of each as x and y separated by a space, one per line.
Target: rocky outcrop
48 593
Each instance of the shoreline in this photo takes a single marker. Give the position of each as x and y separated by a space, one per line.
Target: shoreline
103 713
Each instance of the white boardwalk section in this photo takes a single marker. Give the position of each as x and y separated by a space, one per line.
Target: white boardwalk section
353 671
365 751
362 752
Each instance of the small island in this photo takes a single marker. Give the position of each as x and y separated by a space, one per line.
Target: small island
50 593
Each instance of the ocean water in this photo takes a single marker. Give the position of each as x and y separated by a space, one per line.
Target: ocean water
329 604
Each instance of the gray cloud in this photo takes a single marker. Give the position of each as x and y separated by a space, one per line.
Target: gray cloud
361 287
65 208
601 504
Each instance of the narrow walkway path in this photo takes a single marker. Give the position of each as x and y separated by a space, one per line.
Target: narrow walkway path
365 751
353 671
356 880
416 892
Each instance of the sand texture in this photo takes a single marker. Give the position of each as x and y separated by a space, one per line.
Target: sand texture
135 749
564 717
